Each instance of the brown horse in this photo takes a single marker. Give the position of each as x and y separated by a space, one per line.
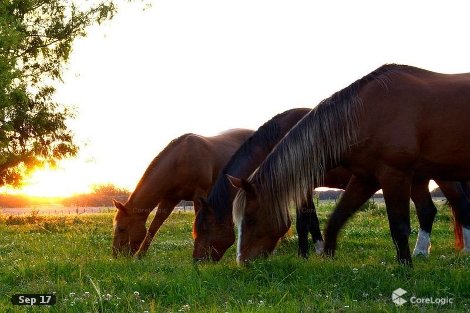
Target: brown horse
397 126
213 229
184 170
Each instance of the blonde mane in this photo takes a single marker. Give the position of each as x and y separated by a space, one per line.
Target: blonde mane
316 144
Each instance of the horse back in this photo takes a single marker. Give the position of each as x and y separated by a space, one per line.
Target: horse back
416 119
225 145
199 158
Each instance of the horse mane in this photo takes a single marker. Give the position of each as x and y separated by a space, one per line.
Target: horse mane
156 161
266 137
317 143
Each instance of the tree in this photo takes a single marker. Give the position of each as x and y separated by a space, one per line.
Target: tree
36 39
101 195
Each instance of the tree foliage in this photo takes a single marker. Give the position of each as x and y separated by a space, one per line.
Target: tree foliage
36 39
101 195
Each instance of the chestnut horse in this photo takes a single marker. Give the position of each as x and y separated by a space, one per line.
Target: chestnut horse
213 227
393 128
184 170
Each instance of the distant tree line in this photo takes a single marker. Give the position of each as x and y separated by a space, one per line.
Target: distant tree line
332 194
436 192
103 195
14 201
335 194
100 196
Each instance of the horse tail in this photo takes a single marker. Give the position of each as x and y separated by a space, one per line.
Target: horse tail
458 232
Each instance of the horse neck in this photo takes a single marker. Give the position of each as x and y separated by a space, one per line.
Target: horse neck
141 205
300 161
248 157
146 195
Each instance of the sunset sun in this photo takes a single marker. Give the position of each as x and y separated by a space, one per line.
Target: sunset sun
60 182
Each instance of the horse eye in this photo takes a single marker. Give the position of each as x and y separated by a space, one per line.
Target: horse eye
121 230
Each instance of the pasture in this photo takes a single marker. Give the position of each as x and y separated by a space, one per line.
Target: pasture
71 257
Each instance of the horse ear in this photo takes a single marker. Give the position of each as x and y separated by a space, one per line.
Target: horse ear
235 181
120 206
240 183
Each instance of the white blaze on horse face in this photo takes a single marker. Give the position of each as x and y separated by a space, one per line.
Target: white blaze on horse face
466 239
423 244
239 240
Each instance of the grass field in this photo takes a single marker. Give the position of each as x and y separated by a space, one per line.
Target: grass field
71 257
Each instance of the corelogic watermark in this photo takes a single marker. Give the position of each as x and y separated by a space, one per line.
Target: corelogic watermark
399 299
397 296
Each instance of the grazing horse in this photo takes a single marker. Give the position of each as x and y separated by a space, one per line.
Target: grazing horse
213 229
184 170
395 127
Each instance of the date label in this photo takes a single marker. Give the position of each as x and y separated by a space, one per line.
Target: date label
33 299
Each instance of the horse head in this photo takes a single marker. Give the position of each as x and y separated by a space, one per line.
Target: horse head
211 236
129 230
258 234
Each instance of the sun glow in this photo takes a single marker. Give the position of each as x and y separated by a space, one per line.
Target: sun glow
53 183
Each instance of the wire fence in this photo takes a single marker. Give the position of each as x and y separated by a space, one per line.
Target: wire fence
185 206
57 210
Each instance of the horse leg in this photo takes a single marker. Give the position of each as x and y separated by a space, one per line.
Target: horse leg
314 225
307 222
302 231
164 209
456 195
426 211
396 188
356 194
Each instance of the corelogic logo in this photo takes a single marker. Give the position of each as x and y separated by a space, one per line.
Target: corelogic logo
397 296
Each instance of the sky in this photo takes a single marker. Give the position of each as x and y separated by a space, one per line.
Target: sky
149 76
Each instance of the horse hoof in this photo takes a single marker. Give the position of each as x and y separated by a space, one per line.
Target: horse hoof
420 253
328 253
319 247
466 240
139 255
405 260
423 244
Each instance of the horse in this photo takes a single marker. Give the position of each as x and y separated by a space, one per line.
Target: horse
213 231
386 128
213 227
184 170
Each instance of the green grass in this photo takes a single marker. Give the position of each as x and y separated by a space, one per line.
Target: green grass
71 256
